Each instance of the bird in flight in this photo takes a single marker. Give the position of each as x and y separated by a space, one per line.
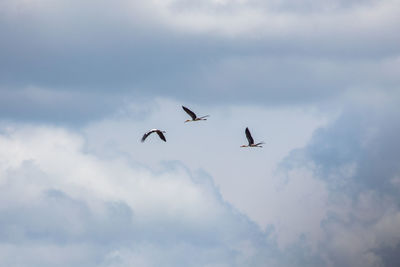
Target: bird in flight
159 132
251 140
193 115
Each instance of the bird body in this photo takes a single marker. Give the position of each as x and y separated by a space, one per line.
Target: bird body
251 140
159 132
193 115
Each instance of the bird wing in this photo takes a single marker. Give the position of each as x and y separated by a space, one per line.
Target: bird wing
161 135
248 135
191 113
145 135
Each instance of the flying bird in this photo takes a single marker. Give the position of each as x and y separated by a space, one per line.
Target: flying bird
251 140
159 132
193 115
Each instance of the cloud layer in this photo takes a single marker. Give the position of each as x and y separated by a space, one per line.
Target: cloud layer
94 54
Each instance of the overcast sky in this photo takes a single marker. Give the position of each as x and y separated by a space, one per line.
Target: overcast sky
318 82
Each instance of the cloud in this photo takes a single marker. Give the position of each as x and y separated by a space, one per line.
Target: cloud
58 200
57 106
355 159
95 193
276 19
333 202
272 53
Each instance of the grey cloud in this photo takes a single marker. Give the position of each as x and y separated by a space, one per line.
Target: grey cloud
60 106
60 219
101 50
357 158
365 138
390 255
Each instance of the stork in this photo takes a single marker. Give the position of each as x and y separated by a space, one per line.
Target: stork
193 115
251 140
159 132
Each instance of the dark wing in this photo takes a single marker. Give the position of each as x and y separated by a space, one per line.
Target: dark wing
161 135
248 135
145 136
191 113
204 116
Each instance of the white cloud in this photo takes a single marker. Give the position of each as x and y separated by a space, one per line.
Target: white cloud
56 197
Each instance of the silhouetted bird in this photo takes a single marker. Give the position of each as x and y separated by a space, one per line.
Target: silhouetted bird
193 115
251 140
160 134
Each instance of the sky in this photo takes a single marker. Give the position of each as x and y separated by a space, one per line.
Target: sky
82 81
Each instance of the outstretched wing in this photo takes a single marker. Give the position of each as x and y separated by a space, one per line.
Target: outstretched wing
204 117
191 113
145 135
248 135
161 135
